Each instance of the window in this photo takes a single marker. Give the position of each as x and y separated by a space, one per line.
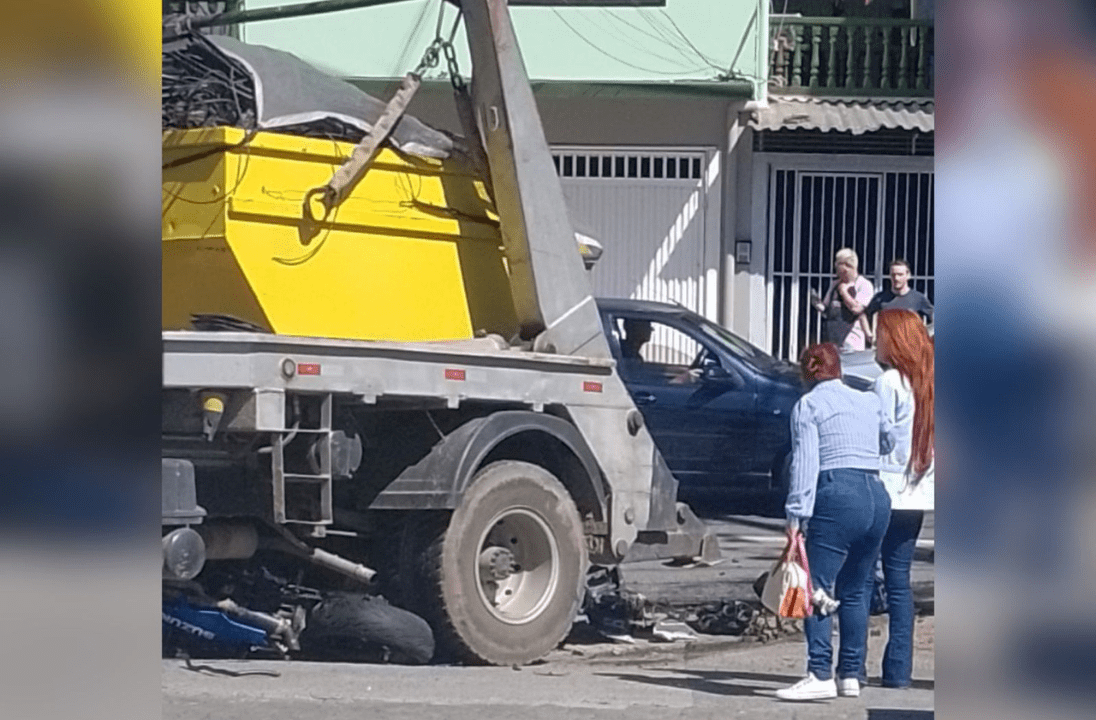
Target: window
738 347
646 166
655 350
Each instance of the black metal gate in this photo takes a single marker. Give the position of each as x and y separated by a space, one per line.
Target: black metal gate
882 215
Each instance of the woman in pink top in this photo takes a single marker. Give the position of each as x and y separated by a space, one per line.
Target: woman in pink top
843 307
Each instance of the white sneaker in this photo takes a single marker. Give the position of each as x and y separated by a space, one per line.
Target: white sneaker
848 687
809 688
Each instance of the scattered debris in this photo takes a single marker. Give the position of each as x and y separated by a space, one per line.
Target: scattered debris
673 630
618 614
730 617
608 610
211 80
766 627
212 670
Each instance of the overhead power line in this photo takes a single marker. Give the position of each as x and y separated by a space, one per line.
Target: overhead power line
596 47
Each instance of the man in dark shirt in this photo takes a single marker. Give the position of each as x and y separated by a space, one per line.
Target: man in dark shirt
900 295
636 335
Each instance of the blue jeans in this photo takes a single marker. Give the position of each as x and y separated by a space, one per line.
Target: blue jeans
851 513
897 553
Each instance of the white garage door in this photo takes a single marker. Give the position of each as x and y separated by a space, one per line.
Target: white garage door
650 210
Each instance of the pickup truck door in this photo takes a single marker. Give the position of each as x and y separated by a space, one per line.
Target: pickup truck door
700 414
776 396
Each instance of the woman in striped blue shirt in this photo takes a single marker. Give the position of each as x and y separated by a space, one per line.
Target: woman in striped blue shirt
836 498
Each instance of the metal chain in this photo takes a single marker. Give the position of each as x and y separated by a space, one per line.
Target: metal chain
429 58
440 45
454 70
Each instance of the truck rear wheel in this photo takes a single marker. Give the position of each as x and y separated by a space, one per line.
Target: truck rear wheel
507 574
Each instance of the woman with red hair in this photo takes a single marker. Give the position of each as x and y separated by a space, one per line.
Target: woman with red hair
838 435
906 392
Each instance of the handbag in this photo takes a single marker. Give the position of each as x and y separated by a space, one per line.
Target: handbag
787 590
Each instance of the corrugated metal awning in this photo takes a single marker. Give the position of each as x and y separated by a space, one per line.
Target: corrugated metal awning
854 115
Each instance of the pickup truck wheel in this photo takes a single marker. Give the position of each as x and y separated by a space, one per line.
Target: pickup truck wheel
508 572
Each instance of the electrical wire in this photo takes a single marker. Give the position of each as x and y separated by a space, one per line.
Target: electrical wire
622 36
662 32
671 38
653 36
407 44
779 25
783 14
689 42
614 57
241 173
319 244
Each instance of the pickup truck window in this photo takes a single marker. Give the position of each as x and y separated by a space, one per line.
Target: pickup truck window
736 346
654 342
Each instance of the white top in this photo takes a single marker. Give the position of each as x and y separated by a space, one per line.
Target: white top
896 397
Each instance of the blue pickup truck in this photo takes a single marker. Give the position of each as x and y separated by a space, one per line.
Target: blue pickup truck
717 407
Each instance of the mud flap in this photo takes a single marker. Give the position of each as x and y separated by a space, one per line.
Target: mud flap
691 540
673 532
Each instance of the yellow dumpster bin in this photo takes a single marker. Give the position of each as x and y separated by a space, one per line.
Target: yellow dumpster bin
413 253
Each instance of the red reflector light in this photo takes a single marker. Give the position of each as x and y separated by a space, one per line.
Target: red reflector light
454 375
591 386
308 368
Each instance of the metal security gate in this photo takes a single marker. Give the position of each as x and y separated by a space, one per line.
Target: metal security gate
815 211
652 211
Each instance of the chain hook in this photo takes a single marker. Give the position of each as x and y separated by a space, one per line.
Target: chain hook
439 46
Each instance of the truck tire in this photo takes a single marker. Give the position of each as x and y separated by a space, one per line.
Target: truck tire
357 627
507 575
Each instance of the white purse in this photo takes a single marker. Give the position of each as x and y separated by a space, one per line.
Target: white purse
787 591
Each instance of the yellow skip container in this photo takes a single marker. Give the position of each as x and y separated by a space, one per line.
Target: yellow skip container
412 253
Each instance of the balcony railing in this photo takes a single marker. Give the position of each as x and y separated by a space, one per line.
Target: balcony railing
852 56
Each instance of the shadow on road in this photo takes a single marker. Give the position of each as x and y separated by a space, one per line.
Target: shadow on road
774 526
713 682
738 684
712 504
924 685
899 714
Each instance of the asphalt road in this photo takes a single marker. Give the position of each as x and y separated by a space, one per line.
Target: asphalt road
712 677
705 679
750 545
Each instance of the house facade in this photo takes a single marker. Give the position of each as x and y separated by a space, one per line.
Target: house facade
842 156
700 141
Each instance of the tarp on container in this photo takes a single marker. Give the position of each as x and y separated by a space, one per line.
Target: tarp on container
219 80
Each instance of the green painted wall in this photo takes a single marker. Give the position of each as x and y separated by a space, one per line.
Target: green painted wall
712 39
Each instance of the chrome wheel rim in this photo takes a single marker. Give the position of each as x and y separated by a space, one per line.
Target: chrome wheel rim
517 567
